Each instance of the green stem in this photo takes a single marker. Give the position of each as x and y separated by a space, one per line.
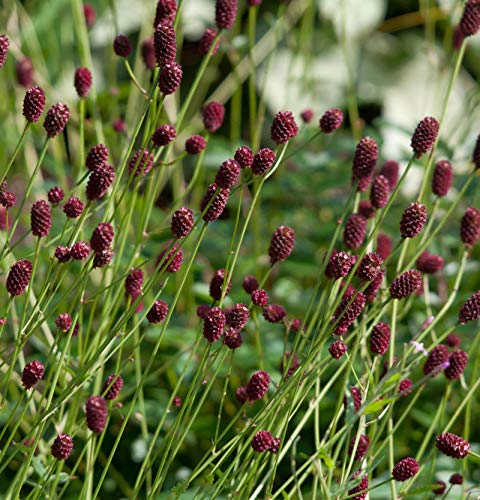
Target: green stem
15 152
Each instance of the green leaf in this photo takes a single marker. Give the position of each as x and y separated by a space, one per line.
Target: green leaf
38 467
63 477
377 405
392 381
327 459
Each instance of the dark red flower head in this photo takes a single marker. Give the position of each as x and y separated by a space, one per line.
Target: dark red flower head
141 162
80 250
452 340
348 310
384 245
331 120
134 282
440 488
206 42
32 373
225 13
62 447
458 362
283 127
103 259
339 265
64 322
195 144
373 288
173 261
147 52
354 232
365 159
40 218
112 387
356 396
100 179
217 206
102 237
263 161
244 156
250 284
122 46
165 12
56 119
96 413
62 254
369 267
170 77
413 219
73 207
4 45
260 297
33 104
182 222
406 284
470 311
281 244
164 135
7 199
424 136
470 227
232 338
164 43
337 349
213 324
257 385
456 479
429 263
217 284
237 316
274 313
470 20
436 359
158 312
390 170
262 441
360 491
362 446
452 445
405 469
97 156
380 339
55 195
24 71
405 387
227 174
82 81
442 178
307 115
119 126
213 115
241 394
379 191
90 15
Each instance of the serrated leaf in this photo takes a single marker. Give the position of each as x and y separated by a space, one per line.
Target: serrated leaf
377 405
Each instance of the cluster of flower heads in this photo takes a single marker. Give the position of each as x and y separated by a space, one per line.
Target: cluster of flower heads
369 270
96 415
